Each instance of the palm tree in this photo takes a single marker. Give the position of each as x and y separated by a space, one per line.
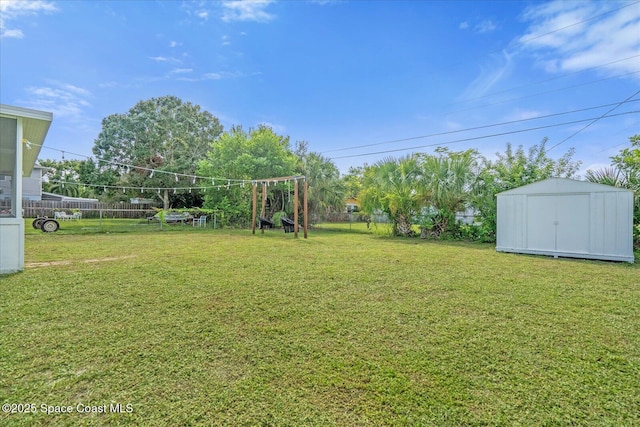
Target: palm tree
393 186
448 180
607 176
326 190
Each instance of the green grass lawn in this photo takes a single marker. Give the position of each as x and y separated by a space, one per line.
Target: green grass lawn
217 327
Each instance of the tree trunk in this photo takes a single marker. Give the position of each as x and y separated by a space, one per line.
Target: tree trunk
165 200
404 225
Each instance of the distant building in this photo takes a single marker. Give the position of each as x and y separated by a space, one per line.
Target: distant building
31 185
141 201
352 205
60 198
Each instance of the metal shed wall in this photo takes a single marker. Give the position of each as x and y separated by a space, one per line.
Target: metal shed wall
564 217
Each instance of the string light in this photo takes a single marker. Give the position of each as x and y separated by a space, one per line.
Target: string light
228 185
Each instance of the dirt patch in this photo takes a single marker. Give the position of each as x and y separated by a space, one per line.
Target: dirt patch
67 262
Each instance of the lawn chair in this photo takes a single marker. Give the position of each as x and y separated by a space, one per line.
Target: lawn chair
287 224
200 222
265 223
61 215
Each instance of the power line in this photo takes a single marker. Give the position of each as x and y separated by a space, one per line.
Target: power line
540 81
483 136
595 120
546 92
473 128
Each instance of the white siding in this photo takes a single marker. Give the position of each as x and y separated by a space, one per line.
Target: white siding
563 217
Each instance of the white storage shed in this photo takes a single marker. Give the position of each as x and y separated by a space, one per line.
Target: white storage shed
568 218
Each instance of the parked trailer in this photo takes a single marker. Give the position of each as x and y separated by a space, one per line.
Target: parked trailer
47 225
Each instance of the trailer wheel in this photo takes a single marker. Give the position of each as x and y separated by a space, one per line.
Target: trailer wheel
50 225
37 223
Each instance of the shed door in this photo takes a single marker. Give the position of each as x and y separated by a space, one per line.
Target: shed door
573 223
558 223
541 218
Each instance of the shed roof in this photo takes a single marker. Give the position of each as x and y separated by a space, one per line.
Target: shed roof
61 198
35 125
563 186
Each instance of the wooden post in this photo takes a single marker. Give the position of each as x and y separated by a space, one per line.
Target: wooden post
305 206
264 202
254 207
295 208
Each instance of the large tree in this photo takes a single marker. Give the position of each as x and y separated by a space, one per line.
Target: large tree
239 155
162 134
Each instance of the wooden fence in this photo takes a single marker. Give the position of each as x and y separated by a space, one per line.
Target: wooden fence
33 209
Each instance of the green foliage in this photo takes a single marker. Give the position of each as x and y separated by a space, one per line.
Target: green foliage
353 181
514 169
427 189
164 134
448 178
62 177
277 217
624 173
326 190
257 154
392 186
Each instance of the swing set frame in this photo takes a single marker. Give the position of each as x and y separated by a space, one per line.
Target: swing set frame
265 183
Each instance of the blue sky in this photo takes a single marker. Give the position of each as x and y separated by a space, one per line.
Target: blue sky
338 74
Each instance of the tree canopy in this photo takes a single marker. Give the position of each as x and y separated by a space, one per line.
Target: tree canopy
162 134
512 169
257 154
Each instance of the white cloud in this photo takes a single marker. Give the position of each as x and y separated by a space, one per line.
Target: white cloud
485 27
164 59
490 75
173 43
220 75
12 10
12 34
63 99
181 70
463 25
520 114
246 10
573 36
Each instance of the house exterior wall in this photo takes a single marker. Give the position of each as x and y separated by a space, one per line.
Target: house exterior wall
31 186
12 225
567 218
19 148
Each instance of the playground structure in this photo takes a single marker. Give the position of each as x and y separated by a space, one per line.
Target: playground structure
288 224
